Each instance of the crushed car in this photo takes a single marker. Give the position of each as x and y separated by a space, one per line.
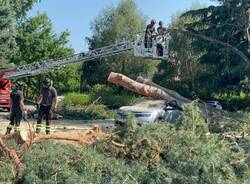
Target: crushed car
214 104
148 110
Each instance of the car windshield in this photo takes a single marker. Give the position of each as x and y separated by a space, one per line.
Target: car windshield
150 103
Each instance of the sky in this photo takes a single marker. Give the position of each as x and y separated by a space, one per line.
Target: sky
76 15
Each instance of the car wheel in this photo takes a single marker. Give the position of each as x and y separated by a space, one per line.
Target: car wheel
118 123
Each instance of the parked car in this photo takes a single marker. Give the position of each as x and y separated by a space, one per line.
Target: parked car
148 110
214 104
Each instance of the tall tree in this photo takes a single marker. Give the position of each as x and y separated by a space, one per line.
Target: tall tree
36 42
20 7
7 33
115 24
180 72
10 12
226 22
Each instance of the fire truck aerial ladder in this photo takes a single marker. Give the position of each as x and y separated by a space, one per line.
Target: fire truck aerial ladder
158 50
137 46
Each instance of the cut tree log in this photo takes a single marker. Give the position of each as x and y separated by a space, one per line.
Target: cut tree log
148 90
137 87
180 99
81 137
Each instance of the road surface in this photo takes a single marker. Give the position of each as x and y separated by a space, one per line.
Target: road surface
57 125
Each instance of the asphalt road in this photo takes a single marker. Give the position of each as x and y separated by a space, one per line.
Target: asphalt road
57 125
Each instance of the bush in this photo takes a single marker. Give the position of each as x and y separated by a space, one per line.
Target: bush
69 164
110 98
185 152
235 102
86 106
87 112
75 99
6 169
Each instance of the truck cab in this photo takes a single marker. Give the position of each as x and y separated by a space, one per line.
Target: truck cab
5 90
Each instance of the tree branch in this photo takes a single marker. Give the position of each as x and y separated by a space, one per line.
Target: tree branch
13 156
203 37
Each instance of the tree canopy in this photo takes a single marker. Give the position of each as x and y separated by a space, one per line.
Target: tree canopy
36 42
204 66
114 24
7 35
227 23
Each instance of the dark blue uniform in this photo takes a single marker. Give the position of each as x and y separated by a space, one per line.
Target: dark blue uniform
148 35
16 111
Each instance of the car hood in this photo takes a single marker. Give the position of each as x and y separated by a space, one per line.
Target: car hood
138 109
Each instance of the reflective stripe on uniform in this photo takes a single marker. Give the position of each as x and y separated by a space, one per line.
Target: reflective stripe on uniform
10 126
17 128
48 127
39 126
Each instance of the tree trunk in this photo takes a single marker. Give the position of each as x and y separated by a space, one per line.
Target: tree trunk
145 89
180 99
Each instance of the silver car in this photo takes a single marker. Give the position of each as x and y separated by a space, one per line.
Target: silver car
215 104
148 110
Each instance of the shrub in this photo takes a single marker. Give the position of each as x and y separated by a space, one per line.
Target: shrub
235 102
186 152
69 164
74 99
110 98
189 151
87 112
105 95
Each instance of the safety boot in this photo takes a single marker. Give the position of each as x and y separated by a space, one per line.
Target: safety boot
8 131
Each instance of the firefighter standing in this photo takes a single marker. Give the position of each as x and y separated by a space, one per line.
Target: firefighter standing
149 33
47 102
160 39
16 108
161 29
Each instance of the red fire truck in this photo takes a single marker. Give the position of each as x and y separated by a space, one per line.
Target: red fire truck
5 89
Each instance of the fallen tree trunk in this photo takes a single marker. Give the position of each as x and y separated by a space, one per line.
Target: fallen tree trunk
81 137
148 89
142 89
180 99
